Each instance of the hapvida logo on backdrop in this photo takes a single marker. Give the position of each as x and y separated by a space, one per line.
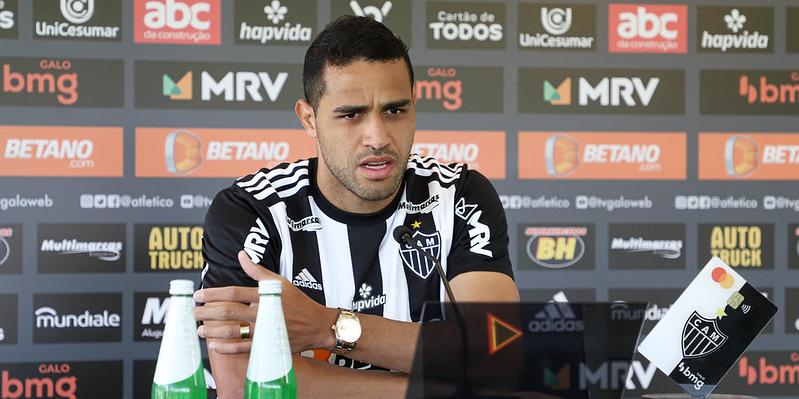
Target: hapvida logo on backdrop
739 29
279 29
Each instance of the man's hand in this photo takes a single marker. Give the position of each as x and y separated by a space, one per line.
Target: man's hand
308 323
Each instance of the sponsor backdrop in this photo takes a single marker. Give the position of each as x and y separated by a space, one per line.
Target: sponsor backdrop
629 143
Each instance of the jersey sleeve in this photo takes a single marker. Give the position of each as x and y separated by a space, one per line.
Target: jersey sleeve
232 224
480 236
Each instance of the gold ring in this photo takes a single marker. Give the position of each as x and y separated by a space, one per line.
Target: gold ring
244 331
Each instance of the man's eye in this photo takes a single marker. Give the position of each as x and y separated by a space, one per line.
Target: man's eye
350 116
395 111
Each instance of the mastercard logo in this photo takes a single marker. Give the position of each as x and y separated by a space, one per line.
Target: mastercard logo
721 276
740 156
182 152
561 154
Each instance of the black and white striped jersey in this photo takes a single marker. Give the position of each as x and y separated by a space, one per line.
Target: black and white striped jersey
352 261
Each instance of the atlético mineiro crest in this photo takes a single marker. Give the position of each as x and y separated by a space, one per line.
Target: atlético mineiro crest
701 336
418 263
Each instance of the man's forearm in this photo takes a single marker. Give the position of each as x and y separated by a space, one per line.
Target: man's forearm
316 379
386 343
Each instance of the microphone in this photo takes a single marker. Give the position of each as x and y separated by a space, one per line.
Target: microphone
402 235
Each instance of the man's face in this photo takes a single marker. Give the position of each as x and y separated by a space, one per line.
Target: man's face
365 123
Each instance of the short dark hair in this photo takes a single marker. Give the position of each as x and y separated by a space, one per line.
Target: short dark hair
343 41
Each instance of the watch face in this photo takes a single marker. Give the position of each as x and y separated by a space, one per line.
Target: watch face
348 330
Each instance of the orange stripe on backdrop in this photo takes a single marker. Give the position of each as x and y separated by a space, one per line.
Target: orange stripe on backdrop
749 156
482 150
178 152
78 151
602 155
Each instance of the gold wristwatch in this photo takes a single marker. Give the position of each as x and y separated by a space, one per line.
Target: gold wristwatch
347 330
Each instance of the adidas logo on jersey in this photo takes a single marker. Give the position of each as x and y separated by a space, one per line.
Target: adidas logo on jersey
557 316
306 280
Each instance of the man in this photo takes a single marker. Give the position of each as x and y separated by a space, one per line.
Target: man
324 228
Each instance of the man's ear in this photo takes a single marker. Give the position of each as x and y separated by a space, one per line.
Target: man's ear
307 116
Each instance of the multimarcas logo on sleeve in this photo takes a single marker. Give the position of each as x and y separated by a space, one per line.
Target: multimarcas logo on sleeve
60 151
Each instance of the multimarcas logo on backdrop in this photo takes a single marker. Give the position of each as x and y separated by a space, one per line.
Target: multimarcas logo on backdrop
218 85
748 156
168 248
735 29
557 27
177 21
61 380
647 28
626 91
61 82
81 248
60 151
650 246
78 19
552 247
482 150
8 19
748 246
602 155
274 21
459 25
216 152
458 89
84 317
749 92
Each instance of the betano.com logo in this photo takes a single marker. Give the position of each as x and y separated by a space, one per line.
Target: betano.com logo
602 155
482 150
177 21
646 28
216 152
60 151
750 156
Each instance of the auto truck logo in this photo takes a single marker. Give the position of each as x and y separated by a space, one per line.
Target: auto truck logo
701 337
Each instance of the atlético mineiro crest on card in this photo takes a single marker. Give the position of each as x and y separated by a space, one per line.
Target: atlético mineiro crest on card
418 263
701 337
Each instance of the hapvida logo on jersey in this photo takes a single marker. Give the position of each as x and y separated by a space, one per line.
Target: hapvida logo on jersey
53 380
177 21
459 25
647 28
602 155
273 22
368 299
736 29
78 20
306 280
572 27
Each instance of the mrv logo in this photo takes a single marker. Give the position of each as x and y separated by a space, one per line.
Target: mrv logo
164 84
603 91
